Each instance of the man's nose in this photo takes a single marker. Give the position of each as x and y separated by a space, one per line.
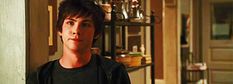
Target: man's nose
76 30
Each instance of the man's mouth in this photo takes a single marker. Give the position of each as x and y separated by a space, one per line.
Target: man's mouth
75 39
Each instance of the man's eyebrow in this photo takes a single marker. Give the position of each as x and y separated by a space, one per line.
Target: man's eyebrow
84 20
87 20
71 19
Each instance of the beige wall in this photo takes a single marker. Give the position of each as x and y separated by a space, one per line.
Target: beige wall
38 34
138 77
170 43
12 42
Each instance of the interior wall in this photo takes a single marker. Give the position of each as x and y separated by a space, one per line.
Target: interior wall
170 42
196 25
157 7
12 42
38 34
185 6
138 77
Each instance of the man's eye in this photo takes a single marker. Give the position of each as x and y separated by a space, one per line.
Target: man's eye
85 25
71 23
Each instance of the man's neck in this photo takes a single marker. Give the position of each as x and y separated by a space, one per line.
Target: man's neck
74 59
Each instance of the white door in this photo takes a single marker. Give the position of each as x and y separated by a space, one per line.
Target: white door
217 40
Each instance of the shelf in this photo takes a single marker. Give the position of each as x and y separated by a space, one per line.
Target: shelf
133 35
131 69
200 81
124 23
115 23
196 67
184 46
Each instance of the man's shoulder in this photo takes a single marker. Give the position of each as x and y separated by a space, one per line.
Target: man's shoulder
41 73
109 64
48 65
46 69
115 71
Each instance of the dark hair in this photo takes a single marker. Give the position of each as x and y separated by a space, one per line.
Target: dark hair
86 8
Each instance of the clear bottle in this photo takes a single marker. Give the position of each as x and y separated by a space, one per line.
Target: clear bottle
142 48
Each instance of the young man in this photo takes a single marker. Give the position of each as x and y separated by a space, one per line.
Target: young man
79 22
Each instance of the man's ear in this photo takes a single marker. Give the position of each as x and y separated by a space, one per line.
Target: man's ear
59 33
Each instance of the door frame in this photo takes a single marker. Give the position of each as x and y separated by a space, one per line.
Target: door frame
206 43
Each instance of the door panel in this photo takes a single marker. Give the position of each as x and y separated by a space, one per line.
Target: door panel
217 40
221 76
221 55
221 43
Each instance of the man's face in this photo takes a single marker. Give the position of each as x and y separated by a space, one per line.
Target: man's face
77 33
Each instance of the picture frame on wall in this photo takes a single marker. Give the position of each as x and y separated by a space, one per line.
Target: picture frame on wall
52 39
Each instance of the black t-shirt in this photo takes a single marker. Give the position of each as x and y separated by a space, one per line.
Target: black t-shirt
83 75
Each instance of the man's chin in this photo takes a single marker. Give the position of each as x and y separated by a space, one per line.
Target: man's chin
76 48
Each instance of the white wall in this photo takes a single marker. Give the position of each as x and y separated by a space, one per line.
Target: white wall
12 42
